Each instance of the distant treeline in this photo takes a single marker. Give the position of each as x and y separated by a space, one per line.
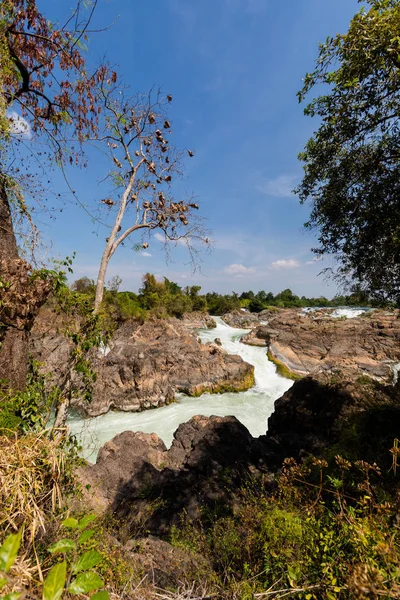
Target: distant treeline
166 298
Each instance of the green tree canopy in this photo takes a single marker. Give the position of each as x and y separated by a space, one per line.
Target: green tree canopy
351 164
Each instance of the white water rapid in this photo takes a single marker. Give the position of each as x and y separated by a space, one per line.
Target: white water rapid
252 408
350 312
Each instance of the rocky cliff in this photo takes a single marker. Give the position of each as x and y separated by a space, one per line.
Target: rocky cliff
316 343
146 364
212 458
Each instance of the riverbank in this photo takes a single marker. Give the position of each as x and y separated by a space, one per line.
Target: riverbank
345 343
252 407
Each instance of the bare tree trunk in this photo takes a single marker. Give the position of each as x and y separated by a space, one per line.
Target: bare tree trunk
8 243
101 278
112 243
14 358
13 340
62 414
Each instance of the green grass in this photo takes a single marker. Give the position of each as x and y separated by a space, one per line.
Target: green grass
282 369
225 386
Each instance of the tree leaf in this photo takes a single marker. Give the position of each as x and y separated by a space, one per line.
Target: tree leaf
2 582
9 551
62 546
85 582
87 561
86 535
55 581
103 595
70 523
84 522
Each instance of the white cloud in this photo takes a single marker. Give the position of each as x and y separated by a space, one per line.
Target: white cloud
147 254
238 270
160 237
285 264
279 187
19 125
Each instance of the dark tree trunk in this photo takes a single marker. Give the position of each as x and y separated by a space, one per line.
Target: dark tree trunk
8 243
13 339
20 300
14 358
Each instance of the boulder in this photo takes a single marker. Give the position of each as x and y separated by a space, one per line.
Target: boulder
198 320
359 418
241 320
260 336
209 458
212 458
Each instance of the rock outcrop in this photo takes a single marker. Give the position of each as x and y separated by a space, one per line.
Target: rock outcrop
146 364
316 343
208 459
211 458
198 320
260 336
358 418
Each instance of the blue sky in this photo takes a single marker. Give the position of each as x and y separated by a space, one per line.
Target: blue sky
233 68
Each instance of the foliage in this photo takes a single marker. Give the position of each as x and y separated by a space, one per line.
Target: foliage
256 302
50 96
28 410
325 533
74 574
164 298
35 49
155 298
218 304
351 164
22 291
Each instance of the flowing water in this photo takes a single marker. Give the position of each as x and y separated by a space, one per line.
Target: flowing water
349 312
252 408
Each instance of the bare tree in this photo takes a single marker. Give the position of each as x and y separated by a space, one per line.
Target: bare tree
144 163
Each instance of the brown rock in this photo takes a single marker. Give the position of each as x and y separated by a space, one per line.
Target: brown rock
359 417
309 344
147 364
209 458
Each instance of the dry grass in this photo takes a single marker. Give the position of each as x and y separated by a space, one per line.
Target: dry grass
146 591
32 468
193 592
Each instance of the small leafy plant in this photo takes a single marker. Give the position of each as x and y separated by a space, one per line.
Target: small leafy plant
8 554
74 574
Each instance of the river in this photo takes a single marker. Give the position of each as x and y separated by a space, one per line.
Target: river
252 408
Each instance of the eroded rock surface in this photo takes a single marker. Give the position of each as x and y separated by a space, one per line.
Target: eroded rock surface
213 458
364 345
209 457
316 343
146 365
359 418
